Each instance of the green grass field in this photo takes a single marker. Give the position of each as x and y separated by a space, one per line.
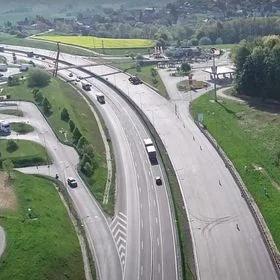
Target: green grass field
44 246
251 138
99 43
28 153
62 95
25 42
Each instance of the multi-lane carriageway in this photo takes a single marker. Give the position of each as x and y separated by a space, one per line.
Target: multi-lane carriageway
221 251
143 228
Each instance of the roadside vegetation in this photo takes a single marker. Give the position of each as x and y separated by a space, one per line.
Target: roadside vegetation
250 136
41 240
12 112
99 43
22 128
23 153
74 124
186 86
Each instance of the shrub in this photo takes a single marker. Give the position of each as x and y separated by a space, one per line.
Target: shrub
13 81
87 169
65 115
76 135
47 107
38 78
71 125
205 41
12 146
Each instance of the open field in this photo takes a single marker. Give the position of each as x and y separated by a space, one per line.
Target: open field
250 136
99 43
41 243
25 42
62 95
28 153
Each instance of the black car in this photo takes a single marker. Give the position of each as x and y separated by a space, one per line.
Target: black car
72 182
135 80
158 181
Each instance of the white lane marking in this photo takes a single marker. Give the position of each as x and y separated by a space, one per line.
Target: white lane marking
141 272
140 189
142 223
158 267
142 244
138 177
158 241
141 206
154 202
156 220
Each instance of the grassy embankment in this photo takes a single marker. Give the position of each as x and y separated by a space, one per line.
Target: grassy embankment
61 95
21 128
25 42
41 243
28 153
145 74
251 138
109 46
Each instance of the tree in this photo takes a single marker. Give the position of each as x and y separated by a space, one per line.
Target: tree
47 107
65 115
205 41
153 72
12 146
76 135
38 96
13 81
71 125
88 149
87 169
8 166
38 78
81 144
185 68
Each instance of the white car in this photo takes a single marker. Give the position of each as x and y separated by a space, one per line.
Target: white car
72 183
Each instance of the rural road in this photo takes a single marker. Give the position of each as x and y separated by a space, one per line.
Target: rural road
65 161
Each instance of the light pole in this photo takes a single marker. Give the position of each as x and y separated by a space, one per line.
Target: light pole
214 71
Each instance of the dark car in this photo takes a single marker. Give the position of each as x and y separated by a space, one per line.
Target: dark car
158 181
135 80
72 182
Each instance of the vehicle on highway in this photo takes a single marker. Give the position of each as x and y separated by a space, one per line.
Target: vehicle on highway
151 150
43 58
30 54
158 181
86 86
72 183
100 97
70 75
135 80
5 128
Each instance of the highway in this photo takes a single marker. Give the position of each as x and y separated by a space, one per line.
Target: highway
143 227
227 242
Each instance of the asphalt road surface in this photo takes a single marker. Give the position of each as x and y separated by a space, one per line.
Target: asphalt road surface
227 242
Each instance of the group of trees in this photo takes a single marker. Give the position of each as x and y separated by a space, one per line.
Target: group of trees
258 68
86 152
42 101
233 31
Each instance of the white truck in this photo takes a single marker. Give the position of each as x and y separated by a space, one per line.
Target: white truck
151 150
23 67
5 128
86 86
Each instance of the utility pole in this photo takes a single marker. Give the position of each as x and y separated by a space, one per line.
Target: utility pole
214 71
56 60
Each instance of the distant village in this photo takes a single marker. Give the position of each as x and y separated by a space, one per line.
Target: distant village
99 23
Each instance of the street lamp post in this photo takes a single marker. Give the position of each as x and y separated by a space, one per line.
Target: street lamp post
214 71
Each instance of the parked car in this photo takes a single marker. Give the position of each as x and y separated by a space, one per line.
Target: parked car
72 182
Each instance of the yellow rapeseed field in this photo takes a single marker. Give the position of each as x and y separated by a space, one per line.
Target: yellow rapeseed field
96 42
